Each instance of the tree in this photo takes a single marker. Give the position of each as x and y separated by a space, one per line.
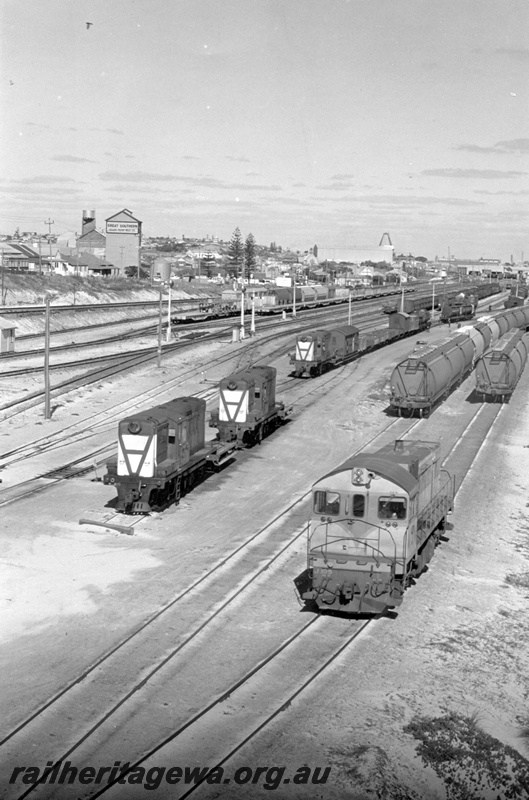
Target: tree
236 253
250 256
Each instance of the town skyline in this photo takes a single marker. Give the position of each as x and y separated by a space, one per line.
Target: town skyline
299 126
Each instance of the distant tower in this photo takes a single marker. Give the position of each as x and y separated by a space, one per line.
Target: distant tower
88 222
388 241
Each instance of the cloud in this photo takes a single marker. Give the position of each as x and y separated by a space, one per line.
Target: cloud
44 179
139 177
512 194
108 130
73 159
398 202
242 160
204 181
487 174
518 54
506 146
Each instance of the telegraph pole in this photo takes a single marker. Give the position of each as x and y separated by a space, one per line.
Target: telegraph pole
49 223
2 298
168 335
47 413
243 290
159 354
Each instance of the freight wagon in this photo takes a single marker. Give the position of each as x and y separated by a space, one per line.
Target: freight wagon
499 369
374 526
458 309
442 296
429 374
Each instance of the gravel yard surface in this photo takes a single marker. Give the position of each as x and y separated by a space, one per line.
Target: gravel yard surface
432 702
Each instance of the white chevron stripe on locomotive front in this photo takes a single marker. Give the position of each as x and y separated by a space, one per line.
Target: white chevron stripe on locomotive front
233 406
305 350
136 455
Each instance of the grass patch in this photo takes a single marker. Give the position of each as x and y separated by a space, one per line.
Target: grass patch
472 764
521 580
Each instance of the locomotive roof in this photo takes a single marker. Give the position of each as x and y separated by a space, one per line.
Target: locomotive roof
382 466
347 330
252 374
174 409
398 463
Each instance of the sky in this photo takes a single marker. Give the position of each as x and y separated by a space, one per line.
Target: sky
303 122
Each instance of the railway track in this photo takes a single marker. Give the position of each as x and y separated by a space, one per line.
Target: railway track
256 702
126 361
97 457
96 681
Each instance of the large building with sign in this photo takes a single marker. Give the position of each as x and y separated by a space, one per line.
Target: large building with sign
123 232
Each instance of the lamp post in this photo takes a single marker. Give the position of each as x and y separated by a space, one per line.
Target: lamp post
294 296
47 412
168 335
252 324
159 353
243 290
350 308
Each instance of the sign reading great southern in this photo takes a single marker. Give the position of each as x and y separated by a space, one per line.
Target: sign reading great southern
122 227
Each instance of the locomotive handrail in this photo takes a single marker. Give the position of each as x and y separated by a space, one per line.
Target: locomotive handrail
363 542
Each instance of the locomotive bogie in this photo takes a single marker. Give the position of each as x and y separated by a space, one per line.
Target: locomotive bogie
374 525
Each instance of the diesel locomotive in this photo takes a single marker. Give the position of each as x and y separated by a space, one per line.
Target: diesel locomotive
248 410
320 350
374 525
429 374
162 452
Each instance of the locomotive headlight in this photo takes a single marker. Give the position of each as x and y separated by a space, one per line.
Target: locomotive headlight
358 476
134 427
394 524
